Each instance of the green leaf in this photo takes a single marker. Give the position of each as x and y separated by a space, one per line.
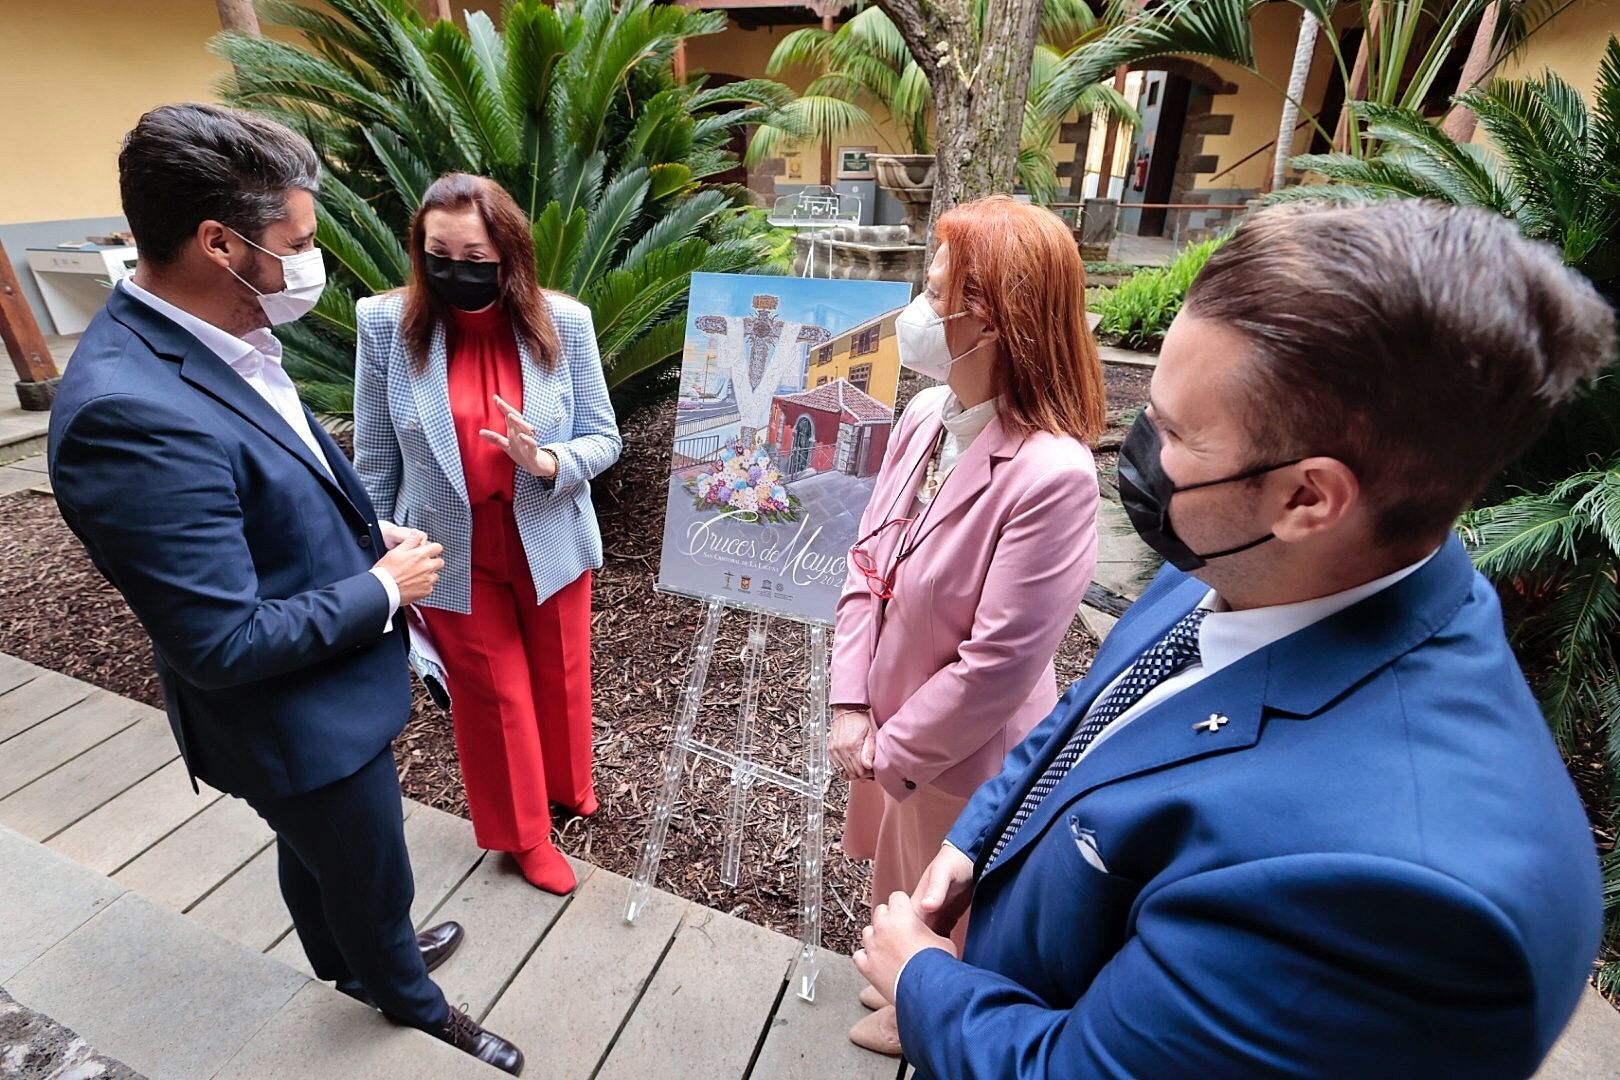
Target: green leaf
557 245
611 220
408 173
1522 536
379 242
477 113
668 179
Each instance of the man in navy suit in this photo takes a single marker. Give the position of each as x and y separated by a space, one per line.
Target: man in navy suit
1303 817
244 542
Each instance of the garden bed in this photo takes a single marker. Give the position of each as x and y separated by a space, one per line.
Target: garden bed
57 611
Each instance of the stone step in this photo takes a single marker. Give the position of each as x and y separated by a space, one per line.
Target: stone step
1589 1048
22 433
154 989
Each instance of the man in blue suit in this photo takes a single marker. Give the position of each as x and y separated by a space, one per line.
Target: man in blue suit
244 542
1303 817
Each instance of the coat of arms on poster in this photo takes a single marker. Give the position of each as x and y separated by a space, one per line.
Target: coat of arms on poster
785 410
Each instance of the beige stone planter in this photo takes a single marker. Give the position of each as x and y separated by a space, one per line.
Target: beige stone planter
909 178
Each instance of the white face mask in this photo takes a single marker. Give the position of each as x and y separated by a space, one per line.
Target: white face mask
303 278
922 339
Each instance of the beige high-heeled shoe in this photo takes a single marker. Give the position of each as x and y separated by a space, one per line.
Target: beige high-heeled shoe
879 1032
871 998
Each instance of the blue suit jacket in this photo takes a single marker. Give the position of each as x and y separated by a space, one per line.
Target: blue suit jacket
244 559
1377 867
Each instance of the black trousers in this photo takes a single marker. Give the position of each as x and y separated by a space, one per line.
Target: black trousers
346 877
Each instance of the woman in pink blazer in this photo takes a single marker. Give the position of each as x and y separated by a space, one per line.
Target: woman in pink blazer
976 548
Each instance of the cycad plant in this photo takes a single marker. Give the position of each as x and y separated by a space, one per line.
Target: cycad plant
1409 44
869 78
1549 533
574 108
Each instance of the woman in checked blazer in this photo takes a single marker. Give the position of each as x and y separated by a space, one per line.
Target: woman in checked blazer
481 415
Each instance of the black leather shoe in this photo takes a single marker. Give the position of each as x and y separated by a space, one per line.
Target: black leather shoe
462 1032
439 943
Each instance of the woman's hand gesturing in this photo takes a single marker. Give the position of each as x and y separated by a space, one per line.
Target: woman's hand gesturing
520 445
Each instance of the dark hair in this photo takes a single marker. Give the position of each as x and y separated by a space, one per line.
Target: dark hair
520 296
1015 267
1424 345
183 165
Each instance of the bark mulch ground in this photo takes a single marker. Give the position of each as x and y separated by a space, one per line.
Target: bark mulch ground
56 611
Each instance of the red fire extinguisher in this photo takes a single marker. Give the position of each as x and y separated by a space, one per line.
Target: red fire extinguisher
1141 171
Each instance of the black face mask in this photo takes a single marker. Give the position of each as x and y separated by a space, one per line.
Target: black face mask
1145 491
469 286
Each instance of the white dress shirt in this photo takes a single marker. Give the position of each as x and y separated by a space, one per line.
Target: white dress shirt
1227 636
257 358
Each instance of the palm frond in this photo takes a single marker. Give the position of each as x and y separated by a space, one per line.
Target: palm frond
611 219
1217 29
1523 535
558 242
806 47
477 113
408 173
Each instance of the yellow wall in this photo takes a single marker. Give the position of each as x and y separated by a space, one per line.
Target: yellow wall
78 75
1572 45
841 360
745 53
1256 108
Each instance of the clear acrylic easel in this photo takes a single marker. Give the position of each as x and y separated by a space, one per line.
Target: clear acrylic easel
745 772
812 208
815 208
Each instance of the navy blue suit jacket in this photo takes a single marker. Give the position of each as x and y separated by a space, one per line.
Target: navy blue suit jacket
1377 867
244 559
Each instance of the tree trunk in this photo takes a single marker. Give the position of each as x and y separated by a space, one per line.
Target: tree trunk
238 15
980 81
1304 52
1357 90
827 174
1461 121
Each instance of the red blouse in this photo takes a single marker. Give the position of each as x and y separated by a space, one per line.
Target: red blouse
484 361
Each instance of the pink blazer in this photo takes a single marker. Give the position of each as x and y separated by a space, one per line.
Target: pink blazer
957 667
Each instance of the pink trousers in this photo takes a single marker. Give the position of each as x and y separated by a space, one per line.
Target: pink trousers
900 838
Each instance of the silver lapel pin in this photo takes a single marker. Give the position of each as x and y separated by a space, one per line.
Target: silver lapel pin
1212 725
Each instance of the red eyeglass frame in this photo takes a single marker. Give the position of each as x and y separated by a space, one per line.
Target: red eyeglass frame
876 583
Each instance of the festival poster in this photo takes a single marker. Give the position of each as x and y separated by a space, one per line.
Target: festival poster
785 410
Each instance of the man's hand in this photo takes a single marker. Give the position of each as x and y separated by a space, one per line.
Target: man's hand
395 535
414 565
896 935
852 742
945 889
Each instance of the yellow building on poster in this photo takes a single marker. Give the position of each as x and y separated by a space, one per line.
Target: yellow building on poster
865 356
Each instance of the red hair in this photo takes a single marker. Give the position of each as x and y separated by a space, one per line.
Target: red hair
520 295
1016 268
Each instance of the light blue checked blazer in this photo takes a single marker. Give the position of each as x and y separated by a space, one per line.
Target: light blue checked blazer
406 452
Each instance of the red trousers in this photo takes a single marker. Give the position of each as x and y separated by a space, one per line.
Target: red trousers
520 689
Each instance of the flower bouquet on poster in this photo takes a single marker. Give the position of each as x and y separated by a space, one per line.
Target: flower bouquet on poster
745 483
785 410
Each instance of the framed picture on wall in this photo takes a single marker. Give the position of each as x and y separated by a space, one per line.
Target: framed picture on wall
853 162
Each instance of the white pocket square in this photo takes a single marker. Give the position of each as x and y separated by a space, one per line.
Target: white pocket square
1085 842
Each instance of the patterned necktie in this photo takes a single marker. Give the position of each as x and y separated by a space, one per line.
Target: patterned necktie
1175 651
